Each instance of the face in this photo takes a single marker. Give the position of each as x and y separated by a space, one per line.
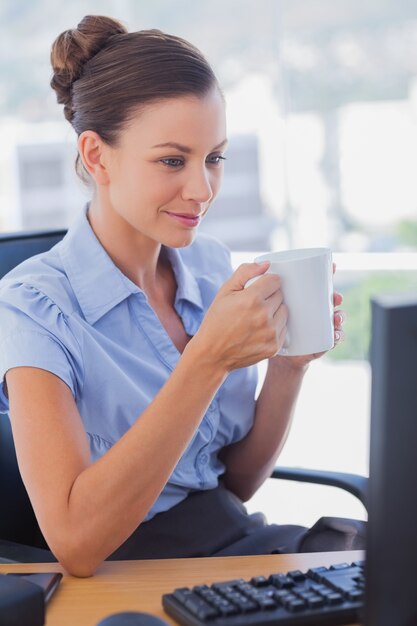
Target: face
167 167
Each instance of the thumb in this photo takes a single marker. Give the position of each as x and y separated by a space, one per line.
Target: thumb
245 272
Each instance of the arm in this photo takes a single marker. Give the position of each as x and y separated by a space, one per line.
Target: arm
87 510
249 462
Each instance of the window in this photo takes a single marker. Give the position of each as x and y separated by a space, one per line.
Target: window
322 114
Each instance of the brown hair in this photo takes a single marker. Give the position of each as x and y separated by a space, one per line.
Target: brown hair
103 74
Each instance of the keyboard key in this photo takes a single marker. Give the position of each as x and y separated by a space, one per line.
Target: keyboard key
245 604
355 594
228 609
259 581
315 602
334 598
307 595
182 594
282 595
207 613
267 603
316 572
196 605
227 584
295 606
207 594
247 589
339 566
296 575
281 581
319 588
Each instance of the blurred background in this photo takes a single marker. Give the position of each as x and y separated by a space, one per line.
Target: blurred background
322 116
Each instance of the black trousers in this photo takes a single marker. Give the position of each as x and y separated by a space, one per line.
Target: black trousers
216 523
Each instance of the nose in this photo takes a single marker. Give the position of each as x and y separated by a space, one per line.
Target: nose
197 186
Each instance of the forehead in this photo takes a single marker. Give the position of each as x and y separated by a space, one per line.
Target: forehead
189 120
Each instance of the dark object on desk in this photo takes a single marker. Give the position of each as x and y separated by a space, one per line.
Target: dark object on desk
318 597
391 597
132 618
20 537
48 582
23 598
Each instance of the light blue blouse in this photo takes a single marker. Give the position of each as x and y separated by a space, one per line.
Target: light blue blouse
72 312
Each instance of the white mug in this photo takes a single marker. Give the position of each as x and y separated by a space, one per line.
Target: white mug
307 288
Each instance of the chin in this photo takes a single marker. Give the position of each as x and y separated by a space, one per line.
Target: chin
181 240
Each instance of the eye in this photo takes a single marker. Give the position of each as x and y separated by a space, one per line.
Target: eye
172 162
216 159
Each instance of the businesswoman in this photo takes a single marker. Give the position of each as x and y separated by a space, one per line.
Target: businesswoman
128 352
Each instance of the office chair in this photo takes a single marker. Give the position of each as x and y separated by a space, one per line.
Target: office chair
18 525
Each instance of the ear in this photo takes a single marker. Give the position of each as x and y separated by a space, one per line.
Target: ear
92 151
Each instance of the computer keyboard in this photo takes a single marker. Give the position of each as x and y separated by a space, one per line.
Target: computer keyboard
322 597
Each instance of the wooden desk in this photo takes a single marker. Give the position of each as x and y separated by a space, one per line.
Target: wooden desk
139 585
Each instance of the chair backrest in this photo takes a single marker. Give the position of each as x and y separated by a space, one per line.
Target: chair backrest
17 519
17 247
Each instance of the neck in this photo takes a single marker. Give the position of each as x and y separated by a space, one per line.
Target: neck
137 256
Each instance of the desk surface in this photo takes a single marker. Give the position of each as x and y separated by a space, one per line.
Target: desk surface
138 585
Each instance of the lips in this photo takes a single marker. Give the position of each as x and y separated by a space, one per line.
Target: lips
186 219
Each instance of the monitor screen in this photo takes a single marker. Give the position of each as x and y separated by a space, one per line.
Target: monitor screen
391 563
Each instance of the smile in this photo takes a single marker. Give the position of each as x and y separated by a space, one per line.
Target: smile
186 220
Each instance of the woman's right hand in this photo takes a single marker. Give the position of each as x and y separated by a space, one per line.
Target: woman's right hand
244 325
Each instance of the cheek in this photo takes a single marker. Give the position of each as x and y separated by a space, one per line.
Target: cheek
132 183
216 181
140 193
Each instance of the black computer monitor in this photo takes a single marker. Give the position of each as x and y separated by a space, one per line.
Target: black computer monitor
391 561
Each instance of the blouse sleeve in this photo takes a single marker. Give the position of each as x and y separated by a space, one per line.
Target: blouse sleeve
34 332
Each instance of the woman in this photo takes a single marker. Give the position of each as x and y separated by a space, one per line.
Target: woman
129 350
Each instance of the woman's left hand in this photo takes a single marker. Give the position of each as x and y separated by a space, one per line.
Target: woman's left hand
339 318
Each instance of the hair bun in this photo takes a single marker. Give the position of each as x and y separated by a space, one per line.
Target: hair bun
73 48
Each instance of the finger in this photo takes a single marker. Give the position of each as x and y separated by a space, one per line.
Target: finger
266 285
245 272
280 323
281 317
339 336
339 318
274 301
337 299
282 333
334 268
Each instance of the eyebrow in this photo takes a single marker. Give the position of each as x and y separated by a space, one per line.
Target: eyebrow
186 149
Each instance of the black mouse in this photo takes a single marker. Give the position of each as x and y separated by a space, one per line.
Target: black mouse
132 618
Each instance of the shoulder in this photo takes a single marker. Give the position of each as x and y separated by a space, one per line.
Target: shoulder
207 256
34 306
36 297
